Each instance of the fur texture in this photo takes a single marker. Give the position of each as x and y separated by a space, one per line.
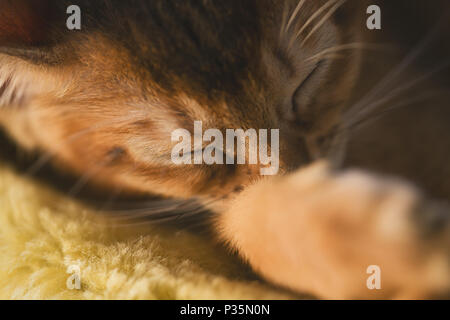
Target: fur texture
42 233
103 102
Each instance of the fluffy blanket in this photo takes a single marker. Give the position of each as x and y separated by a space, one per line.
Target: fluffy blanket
52 247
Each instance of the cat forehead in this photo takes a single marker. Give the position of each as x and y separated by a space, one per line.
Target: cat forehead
201 48
206 47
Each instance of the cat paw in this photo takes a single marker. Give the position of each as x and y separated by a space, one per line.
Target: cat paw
344 235
368 227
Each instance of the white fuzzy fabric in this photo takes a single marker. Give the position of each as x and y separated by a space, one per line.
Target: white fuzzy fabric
42 233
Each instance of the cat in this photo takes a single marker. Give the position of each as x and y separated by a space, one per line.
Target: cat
362 115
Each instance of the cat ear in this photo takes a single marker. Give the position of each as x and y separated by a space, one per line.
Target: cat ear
27 36
27 27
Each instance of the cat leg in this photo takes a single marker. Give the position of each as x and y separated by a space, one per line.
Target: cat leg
321 232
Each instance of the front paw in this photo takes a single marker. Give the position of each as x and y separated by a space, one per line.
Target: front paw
320 232
361 222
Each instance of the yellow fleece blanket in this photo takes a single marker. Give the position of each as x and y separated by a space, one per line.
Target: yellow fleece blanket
52 247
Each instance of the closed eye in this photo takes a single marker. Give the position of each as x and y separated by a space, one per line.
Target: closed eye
303 96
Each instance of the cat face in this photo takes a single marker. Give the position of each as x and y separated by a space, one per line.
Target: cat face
104 101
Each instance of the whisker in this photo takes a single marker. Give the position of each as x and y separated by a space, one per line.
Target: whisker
312 18
331 57
396 92
283 20
84 179
139 204
294 14
323 20
38 164
151 210
396 72
172 206
348 46
181 210
407 102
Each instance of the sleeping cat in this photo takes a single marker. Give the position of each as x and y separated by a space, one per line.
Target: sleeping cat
363 119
